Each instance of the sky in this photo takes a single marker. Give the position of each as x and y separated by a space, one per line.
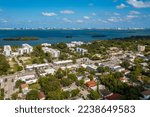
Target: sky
74 13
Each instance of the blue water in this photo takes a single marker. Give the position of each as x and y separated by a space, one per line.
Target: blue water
56 36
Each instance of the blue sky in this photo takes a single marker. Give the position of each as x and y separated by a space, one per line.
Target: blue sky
74 13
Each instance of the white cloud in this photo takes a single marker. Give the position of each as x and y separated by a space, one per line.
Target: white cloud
94 14
117 14
79 21
67 20
131 17
67 12
3 21
121 6
115 19
134 13
139 3
49 14
103 21
86 17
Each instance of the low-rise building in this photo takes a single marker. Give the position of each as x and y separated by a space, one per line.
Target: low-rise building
46 44
92 67
77 43
54 52
7 50
38 66
146 95
29 79
24 88
65 62
81 51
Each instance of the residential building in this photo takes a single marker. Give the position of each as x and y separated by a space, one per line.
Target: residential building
29 79
141 48
46 44
77 43
24 88
81 51
92 67
65 62
7 50
54 52
26 49
38 66
146 95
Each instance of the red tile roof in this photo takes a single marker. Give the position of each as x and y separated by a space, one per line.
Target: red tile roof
41 95
91 83
23 86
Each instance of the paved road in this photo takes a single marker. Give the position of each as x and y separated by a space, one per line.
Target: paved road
8 82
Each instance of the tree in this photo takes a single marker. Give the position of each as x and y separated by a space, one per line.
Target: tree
32 95
4 65
53 95
60 74
125 64
80 82
94 95
72 77
75 92
18 83
118 75
65 82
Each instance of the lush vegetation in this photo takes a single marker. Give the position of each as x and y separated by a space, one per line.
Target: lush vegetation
4 65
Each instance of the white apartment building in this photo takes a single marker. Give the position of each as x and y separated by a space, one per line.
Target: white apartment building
141 48
7 50
45 44
54 52
77 43
81 51
26 49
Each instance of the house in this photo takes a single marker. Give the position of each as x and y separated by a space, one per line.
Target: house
47 72
118 68
105 93
7 51
92 67
91 85
54 52
123 79
24 88
114 96
41 96
81 51
146 95
70 45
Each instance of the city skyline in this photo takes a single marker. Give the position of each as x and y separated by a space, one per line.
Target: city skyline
74 13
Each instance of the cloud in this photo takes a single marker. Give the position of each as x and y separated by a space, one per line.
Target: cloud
79 21
139 3
94 14
50 14
115 19
86 17
134 13
103 21
117 14
3 21
121 6
131 17
67 12
67 20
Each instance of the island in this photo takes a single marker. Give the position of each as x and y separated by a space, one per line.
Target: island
21 39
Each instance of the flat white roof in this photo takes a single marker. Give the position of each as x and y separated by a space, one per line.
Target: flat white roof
63 62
